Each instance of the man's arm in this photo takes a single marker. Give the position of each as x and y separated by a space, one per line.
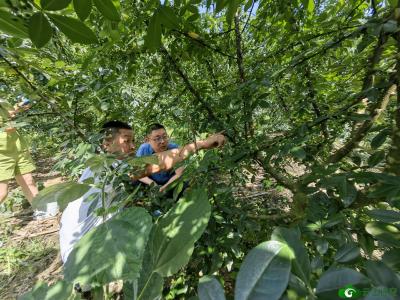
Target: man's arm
13 113
168 159
147 180
178 173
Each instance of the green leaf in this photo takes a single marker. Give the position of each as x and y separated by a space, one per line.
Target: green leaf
248 5
142 160
264 273
192 8
392 259
384 215
365 42
168 17
210 289
393 3
335 279
152 289
347 253
107 9
177 190
111 251
386 233
82 8
220 5
366 242
174 235
12 25
74 29
291 236
99 163
63 193
348 193
40 31
382 275
334 220
310 6
54 4
380 138
390 26
296 284
387 189
231 11
60 290
298 152
150 284
376 158
322 246
152 39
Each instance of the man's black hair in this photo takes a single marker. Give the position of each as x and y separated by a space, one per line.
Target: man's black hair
154 126
112 127
116 124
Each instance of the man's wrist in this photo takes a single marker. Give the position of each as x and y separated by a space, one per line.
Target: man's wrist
200 145
9 129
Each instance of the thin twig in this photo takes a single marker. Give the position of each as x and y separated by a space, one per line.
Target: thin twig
248 18
36 234
204 44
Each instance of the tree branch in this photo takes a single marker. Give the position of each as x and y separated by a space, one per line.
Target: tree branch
312 96
393 157
373 7
247 113
204 44
282 179
375 110
248 18
373 60
210 70
43 96
307 39
322 50
190 87
152 101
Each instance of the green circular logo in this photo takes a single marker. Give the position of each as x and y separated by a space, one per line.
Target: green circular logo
349 292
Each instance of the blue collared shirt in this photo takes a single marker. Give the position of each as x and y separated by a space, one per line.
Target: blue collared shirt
160 178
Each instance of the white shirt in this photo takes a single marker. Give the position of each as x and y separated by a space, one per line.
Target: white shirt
75 221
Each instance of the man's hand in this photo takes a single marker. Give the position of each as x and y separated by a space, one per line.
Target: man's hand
213 141
12 113
10 129
178 173
163 188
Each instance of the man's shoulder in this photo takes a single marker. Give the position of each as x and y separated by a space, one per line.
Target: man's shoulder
173 146
85 175
144 149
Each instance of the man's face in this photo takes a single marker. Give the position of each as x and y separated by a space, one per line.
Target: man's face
122 142
158 140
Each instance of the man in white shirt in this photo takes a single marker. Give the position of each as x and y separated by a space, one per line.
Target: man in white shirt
77 219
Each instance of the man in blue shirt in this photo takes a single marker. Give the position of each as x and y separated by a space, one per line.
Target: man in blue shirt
158 141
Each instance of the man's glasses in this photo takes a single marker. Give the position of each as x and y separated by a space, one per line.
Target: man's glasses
160 139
